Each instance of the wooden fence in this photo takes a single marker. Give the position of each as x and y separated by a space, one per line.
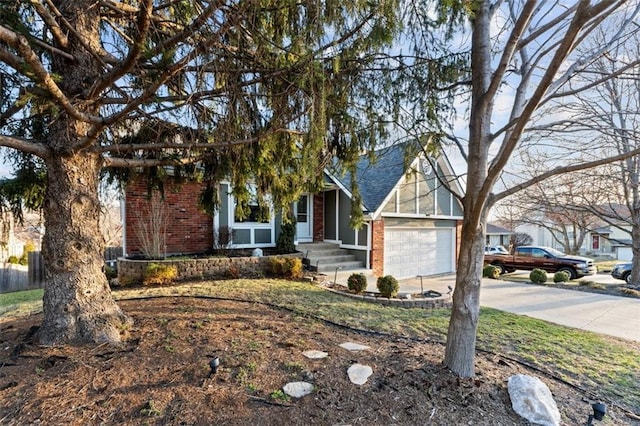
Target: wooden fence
19 278
14 278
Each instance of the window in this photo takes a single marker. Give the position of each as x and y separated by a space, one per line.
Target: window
302 215
257 214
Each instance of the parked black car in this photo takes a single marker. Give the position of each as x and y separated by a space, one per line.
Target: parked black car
622 271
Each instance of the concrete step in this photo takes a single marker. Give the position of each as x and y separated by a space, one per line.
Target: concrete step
329 256
335 258
328 268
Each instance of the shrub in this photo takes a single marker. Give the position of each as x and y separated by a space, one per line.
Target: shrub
388 286
222 238
286 238
110 272
159 273
285 267
490 271
561 277
357 283
13 260
538 276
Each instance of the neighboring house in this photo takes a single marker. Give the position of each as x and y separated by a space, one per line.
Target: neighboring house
498 236
14 236
411 221
607 239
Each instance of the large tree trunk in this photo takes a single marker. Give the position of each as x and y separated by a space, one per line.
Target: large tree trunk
460 350
78 307
461 338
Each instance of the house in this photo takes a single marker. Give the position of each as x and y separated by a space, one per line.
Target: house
608 236
411 220
498 236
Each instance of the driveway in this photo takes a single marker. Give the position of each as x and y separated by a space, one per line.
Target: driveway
610 315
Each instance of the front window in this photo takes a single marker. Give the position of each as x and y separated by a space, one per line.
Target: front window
254 213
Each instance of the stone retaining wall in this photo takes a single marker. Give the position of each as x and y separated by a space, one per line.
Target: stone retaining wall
439 302
132 271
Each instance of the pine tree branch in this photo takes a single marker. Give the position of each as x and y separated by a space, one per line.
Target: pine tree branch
25 145
52 24
40 74
143 23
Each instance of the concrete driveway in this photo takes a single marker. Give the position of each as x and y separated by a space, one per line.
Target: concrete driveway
610 315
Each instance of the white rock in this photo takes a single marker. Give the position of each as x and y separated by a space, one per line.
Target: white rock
358 373
350 346
315 354
298 389
257 252
532 399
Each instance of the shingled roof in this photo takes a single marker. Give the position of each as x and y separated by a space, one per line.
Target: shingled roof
376 179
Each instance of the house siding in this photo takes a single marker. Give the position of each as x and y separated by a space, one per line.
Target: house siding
188 229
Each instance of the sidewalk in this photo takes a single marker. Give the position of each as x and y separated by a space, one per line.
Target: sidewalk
610 315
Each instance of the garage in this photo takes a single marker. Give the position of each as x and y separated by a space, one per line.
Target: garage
409 251
624 253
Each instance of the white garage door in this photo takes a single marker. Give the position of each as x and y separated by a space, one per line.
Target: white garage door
625 253
411 252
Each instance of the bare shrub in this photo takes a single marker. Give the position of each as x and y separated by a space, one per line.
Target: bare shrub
152 220
222 238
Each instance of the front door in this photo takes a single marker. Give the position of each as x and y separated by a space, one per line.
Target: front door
304 225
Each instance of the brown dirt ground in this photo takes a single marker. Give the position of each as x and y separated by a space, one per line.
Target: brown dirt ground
160 375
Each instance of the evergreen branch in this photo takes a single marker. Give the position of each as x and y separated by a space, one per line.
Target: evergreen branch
9 58
143 24
52 24
25 145
128 163
41 75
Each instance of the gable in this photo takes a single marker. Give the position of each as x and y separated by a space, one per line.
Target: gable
386 188
422 195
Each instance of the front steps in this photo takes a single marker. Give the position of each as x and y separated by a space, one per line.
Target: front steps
326 257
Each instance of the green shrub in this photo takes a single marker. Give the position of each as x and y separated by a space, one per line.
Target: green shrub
285 267
490 271
159 273
29 246
561 277
357 283
110 272
538 276
286 238
13 260
388 286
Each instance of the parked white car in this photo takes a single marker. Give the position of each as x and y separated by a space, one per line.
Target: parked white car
495 250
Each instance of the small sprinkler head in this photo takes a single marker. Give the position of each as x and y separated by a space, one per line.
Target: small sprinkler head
213 364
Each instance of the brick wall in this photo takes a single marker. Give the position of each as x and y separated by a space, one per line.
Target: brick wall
318 217
377 247
188 230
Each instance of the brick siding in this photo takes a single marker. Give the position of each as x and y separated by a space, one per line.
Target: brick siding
377 247
188 229
318 217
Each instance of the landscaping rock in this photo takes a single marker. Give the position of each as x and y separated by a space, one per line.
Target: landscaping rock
298 389
358 373
532 399
351 346
315 354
